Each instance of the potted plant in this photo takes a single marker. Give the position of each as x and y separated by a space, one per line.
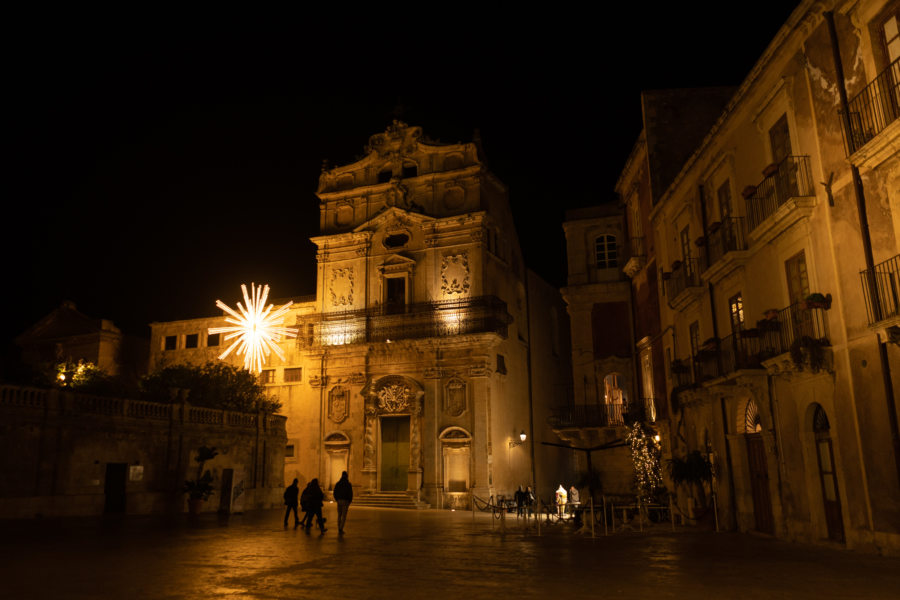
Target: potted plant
676 265
771 314
807 350
700 241
770 169
714 226
748 191
200 489
817 300
693 471
752 332
666 275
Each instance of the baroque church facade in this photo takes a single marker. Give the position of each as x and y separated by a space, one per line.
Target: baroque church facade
412 365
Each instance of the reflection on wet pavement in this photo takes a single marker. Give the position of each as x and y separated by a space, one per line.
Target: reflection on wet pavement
414 554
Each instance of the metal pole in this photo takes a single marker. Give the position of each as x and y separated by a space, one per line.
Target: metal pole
612 513
893 426
502 519
716 511
592 518
605 523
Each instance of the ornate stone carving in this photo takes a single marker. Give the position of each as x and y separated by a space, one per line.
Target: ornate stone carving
342 287
455 274
455 397
432 373
394 398
369 441
318 380
338 404
480 370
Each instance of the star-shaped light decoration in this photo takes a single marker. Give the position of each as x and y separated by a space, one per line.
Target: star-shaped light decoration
258 328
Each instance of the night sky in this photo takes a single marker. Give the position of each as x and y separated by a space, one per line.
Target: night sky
157 161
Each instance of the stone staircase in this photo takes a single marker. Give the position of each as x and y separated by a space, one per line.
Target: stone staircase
388 500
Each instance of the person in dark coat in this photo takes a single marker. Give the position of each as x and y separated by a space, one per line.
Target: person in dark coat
311 501
343 494
290 501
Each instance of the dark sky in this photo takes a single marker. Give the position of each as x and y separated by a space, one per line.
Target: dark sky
157 161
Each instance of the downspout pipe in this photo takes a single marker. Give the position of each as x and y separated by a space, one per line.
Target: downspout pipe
867 244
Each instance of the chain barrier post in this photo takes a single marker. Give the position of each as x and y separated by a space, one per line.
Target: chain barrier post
605 522
671 512
502 519
716 511
592 517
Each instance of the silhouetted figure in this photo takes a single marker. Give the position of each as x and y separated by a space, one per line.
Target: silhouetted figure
343 494
574 500
530 500
311 502
290 501
520 501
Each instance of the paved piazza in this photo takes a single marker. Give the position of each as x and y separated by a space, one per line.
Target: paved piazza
408 554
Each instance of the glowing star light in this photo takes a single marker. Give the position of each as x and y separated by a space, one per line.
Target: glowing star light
257 328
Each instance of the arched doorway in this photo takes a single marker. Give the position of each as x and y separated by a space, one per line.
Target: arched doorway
456 444
759 469
827 476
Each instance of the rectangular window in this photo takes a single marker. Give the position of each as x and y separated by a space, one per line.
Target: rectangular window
289 451
501 364
724 196
607 252
293 375
170 342
686 244
736 312
191 340
891 35
695 338
780 140
797 277
267 376
212 339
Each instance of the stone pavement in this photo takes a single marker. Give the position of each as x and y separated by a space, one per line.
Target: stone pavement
413 554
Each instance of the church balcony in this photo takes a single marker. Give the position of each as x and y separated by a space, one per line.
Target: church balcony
881 288
873 109
785 195
726 245
386 323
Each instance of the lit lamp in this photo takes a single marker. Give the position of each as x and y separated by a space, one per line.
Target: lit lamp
522 438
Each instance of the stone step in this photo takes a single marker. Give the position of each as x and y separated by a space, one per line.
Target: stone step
388 500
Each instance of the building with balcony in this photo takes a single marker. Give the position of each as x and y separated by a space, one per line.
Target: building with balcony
428 348
782 368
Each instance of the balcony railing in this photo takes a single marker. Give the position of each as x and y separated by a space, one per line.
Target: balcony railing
792 179
730 236
881 288
605 415
685 275
874 108
482 314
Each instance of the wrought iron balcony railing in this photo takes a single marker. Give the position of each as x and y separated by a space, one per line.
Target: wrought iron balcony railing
792 179
482 314
728 236
881 288
873 109
684 275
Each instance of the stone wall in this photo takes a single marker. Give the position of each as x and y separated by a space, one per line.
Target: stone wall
62 452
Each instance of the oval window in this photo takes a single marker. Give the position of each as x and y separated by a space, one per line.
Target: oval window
396 240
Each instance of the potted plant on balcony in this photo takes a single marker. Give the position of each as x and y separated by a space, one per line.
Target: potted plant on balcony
752 332
700 241
708 350
817 300
200 489
676 265
680 367
810 351
770 169
748 191
714 226
666 275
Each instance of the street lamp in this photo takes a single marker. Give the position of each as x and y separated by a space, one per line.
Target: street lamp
522 438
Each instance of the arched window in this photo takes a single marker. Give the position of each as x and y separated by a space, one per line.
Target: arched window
607 251
752 421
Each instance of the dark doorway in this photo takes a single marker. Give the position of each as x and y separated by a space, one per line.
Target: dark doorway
827 475
759 483
394 453
114 488
225 495
395 300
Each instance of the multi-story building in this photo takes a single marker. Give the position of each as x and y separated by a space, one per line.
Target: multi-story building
415 367
777 245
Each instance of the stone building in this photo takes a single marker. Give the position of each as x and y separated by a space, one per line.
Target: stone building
414 368
777 242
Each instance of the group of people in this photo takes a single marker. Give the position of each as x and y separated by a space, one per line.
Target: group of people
567 502
311 501
525 500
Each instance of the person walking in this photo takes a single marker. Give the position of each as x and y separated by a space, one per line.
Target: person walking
290 501
311 501
520 501
343 494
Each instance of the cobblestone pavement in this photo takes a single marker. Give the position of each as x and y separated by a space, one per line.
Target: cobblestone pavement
414 554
